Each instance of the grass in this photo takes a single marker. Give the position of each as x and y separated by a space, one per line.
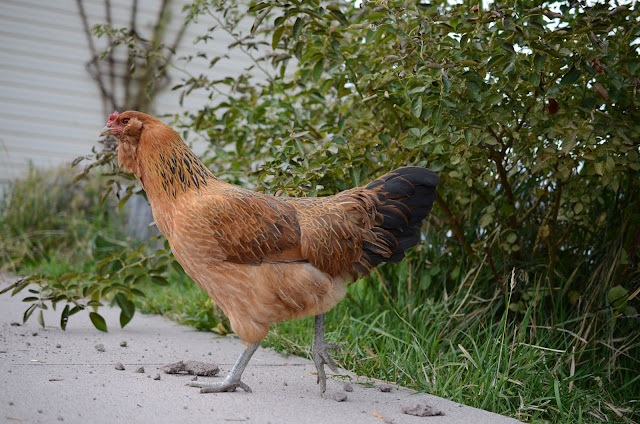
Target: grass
529 350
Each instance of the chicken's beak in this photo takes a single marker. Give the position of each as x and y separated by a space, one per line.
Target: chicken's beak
105 132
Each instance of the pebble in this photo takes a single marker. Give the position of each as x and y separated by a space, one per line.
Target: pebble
58 345
157 377
140 370
339 397
421 410
119 366
348 387
385 387
100 347
123 343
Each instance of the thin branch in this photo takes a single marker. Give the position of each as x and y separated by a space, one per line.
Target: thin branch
530 210
455 226
128 73
106 96
110 60
504 180
553 244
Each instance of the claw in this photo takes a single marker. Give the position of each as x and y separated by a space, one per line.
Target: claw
320 354
225 386
232 382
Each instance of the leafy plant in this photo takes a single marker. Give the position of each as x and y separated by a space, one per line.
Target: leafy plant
529 113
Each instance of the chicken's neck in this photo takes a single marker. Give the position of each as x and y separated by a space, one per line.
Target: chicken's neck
169 171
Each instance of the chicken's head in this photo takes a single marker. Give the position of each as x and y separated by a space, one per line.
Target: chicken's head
126 127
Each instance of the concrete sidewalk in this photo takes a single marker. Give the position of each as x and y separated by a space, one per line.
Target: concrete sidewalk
49 375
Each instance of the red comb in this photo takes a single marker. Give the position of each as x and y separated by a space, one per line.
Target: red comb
112 117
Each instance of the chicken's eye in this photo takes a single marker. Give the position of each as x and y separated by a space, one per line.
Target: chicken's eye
125 121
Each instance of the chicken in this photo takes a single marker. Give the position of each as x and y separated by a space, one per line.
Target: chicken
266 259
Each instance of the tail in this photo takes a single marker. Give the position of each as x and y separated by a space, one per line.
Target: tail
403 199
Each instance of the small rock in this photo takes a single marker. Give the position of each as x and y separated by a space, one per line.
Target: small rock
60 418
285 384
15 324
347 387
388 420
339 397
100 347
385 387
10 403
195 378
192 367
157 377
421 410
123 343
58 345
119 366
28 344
140 370
39 411
35 333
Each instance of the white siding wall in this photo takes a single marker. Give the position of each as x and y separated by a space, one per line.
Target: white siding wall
50 107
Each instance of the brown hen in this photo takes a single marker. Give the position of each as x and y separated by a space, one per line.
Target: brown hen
265 259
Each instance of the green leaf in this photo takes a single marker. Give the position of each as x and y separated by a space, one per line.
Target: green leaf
124 199
28 312
127 306
538 62
570 77
617 296
277 35
338 15
297 26
258 20
435 118
534 79
317 69
599 167
485 220
258 7
41 318
468 136
410 142
159 280
508 47
416 107
494 98
64 317
30 299
125 318
97 321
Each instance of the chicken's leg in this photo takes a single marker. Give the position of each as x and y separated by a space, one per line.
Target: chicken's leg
320 354
232 382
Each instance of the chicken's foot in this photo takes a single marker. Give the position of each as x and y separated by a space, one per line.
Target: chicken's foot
232 382
320 354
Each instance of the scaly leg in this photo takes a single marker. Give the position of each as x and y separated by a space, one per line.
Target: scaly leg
232 382
320 354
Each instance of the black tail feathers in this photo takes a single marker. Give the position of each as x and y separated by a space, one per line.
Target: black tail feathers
404 199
